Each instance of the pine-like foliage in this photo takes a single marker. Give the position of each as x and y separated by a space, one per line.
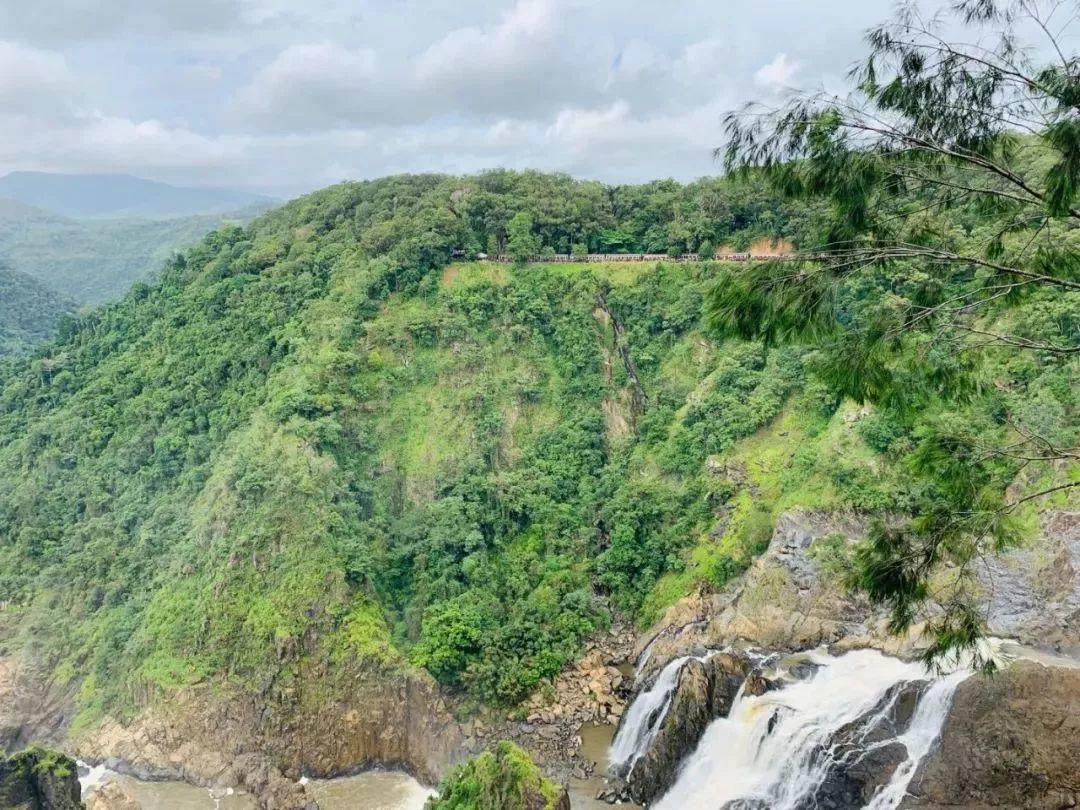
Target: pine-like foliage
952 171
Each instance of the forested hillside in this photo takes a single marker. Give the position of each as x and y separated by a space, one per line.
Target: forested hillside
29 311
93 261
317 436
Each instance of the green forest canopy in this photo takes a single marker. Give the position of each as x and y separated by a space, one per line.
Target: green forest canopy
317 437
30 312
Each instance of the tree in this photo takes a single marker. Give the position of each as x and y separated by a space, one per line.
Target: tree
522 244
952 172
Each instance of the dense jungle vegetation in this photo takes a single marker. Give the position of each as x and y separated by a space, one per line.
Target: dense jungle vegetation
29 312
318 436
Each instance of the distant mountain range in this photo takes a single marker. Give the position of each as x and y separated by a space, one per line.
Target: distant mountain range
90 237
121 196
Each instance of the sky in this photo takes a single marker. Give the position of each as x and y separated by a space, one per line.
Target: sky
286 96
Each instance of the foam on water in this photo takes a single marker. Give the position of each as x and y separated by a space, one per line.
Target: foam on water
769 748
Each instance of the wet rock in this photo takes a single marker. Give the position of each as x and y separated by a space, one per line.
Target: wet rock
36 779
614 793
1011 740
803 671
705 690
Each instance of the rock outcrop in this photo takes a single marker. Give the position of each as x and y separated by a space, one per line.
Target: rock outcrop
790 599
331 723
37 779
111 796
33 708
706 689
1033 592
787 600
1012 740
1009 741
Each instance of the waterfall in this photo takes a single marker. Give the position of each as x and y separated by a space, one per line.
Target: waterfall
639 726
94 776
919 739
775 750
646 654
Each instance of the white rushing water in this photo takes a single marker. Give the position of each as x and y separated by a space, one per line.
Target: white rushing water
769 748
641 723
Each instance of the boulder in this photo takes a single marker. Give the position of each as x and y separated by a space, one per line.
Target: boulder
1010 740
39 780
111 796
867 752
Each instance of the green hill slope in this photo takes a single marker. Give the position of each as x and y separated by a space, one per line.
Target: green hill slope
315 437
29 311
319 440
92 261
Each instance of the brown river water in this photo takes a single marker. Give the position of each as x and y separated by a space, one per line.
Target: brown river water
374 790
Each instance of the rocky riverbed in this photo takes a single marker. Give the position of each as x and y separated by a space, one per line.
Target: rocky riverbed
789 601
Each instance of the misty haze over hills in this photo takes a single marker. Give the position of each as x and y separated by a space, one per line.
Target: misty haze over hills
100 196
88 238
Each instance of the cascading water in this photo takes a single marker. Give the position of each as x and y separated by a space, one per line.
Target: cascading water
639 727
646 654
776 749
919 738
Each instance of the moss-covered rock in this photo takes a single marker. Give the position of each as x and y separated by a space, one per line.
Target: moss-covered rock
37 779
501 778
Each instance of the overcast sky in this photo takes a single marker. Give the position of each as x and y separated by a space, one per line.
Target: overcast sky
285 96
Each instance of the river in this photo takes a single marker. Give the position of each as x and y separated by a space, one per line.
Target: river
372 790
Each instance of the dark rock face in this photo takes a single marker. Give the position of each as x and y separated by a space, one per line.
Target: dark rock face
705 691
39 780
1033 593
1012 740
536 801
864 758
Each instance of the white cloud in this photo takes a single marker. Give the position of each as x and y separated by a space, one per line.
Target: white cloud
36 83
704 61
581 127
288 97
490 52
529 63
777 73
312 86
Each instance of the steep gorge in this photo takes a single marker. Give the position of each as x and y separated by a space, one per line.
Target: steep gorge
319 494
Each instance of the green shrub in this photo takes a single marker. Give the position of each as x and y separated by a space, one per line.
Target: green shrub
502 777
